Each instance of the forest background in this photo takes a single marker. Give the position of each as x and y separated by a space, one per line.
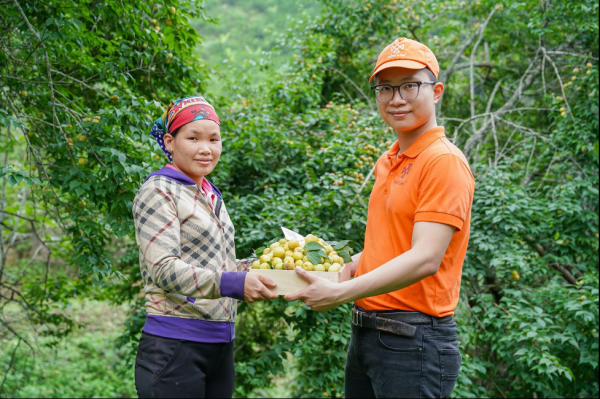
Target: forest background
81 82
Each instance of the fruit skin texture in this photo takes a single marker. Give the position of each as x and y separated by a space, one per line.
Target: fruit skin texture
279 252
308 266
82 161
264 259
265 266
299 263
256 264
293 244
279 266
326 265
310 238
297 256
334 268
266 251
275 261
319 268
290 265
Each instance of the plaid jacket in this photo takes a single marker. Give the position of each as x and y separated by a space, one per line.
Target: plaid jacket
187 252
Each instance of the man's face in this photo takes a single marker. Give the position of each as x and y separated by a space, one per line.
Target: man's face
409 116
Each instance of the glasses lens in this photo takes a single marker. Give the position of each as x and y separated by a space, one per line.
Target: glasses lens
384 93
409 90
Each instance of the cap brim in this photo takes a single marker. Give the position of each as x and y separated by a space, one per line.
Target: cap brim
408 64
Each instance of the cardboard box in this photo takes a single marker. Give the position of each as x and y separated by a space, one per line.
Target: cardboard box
289 281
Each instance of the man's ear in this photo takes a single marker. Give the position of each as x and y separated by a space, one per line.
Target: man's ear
438 90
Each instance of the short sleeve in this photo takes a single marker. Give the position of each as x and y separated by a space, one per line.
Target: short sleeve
445 192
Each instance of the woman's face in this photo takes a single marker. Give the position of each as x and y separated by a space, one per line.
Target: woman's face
196 148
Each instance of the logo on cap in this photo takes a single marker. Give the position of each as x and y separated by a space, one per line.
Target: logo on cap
397 47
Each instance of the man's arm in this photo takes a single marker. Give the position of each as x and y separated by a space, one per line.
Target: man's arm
430 241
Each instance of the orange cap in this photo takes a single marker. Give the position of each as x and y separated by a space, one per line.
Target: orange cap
406 53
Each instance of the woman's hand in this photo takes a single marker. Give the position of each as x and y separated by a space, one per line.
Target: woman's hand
255 288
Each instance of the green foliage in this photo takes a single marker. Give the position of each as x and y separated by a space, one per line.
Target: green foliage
534 221
81 84
521 100
87 365
243 34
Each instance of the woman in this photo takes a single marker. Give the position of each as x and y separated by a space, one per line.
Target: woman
192 279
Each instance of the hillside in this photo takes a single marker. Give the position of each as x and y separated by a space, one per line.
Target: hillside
244 32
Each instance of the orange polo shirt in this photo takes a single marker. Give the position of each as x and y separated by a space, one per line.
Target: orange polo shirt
430 182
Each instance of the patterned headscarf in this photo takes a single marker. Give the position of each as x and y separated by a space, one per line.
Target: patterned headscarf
181 112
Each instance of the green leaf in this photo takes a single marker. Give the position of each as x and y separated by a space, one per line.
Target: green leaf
341 244
313 246
258 252
314 257
346 256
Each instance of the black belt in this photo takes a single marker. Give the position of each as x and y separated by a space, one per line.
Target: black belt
399 323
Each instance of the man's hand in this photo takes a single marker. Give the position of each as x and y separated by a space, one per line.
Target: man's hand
320 295
255 288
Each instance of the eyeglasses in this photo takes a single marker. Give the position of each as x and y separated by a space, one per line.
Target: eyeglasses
407 90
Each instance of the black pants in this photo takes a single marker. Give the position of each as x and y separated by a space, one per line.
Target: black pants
385 365
175 368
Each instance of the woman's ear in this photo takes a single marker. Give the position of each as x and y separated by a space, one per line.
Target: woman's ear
168 140
438 90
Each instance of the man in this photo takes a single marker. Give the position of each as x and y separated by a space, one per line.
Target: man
404 341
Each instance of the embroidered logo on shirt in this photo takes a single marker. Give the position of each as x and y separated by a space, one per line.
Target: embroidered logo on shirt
406 170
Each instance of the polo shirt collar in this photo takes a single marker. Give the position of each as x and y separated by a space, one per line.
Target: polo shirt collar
418 146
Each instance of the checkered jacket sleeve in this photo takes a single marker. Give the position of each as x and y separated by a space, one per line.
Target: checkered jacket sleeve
244 264
158 234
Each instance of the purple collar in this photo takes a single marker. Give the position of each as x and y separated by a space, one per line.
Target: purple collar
180 178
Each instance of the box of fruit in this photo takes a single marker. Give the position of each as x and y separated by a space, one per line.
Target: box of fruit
323 259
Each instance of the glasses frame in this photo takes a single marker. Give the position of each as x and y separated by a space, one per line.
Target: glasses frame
400 91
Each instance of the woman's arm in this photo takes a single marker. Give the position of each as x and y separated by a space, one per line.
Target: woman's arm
244 264
158 237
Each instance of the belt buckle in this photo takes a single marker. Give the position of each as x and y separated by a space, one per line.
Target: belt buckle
357 318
